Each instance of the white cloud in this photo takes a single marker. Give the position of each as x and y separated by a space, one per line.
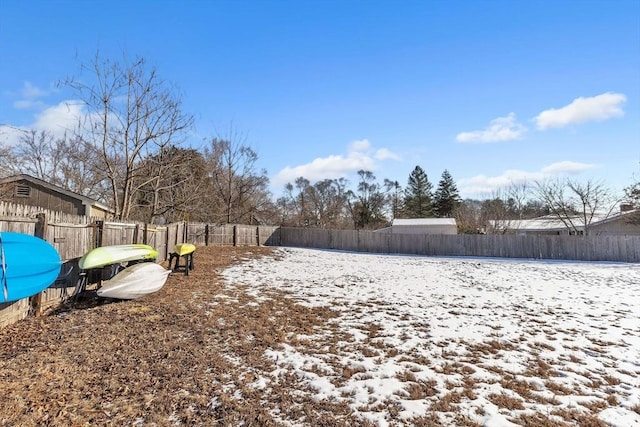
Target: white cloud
596 108
500 129
60 118
29 97
360 155
30 91
10 135
565 167
360 145
56 120
25 104
482 185
386 154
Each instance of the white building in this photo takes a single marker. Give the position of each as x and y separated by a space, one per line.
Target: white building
612 225
422 226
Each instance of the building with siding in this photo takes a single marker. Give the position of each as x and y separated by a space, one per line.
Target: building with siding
27 190
617 224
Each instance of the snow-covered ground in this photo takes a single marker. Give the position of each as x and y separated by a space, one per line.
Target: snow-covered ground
498 342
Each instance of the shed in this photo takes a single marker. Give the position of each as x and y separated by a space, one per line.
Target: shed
422 226
27 190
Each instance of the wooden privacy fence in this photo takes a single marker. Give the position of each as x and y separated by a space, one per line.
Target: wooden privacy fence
582 248
232 234
73 236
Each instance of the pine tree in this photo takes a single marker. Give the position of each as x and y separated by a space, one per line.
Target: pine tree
418 195
446 198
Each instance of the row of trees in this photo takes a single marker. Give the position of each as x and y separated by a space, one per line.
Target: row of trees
331 204
129 152
220 184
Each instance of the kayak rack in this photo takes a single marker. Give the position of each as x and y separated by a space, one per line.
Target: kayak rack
188 262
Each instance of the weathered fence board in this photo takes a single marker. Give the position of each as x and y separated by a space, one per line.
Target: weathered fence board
73 236
583 248
268 235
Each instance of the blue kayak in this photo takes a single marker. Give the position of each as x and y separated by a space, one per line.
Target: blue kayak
28 265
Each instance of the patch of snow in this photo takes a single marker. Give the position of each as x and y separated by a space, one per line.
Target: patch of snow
570 330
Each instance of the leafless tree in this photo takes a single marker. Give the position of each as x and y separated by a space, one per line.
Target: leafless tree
577 204
236 185
321 205
517 194
467 215
131 113
393 190
174 184
632 198
367 205
67 163
329 200
495 215
297 198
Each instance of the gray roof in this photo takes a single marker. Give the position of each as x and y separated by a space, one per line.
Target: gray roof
84 199
553 223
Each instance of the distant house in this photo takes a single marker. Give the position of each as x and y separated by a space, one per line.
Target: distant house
616 224
27 190
422 226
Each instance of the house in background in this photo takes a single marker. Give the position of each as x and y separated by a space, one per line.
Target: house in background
422 226
616 224
27 190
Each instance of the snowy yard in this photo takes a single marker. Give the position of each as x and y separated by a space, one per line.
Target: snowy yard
465 340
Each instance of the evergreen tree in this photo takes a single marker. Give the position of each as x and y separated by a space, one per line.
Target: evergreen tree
446 198
418 195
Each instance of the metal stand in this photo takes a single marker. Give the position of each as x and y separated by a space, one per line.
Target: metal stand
188 262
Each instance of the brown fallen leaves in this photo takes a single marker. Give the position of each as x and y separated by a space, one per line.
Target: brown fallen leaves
188 354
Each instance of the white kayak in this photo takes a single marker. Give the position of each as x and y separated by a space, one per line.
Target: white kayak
135 281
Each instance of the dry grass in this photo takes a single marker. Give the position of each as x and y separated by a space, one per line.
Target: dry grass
504 401
188 354
579 418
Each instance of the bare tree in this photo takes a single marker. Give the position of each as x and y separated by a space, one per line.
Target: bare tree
577 204
367 204
328 203
467 215
236 184
518 194
67 163
297 197
494 214
321 205
175 187
632 199
393 190
131 113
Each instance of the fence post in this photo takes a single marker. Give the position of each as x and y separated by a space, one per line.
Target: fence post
136 233
145 234
166 245
206 234
99 230
35 301
258 235
41 226
235 235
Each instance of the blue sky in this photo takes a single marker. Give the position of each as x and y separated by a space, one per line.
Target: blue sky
494 91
